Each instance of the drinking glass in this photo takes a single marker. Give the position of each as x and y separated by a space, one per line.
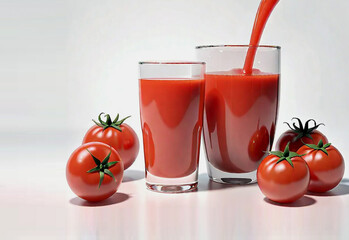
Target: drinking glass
171 107
240 110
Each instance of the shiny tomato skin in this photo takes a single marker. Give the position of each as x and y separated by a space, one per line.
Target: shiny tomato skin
290 135
326 171
125 143
259 144
280 182
84 184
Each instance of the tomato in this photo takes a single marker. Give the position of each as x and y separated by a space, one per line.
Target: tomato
259 143
283 176
300 135
326 166
94 171
118 135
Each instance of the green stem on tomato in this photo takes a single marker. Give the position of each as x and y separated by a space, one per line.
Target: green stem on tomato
102 167
109 123
285 155
303 131
320 146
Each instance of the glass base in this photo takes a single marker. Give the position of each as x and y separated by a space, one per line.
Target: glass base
172 185
219 176
172 188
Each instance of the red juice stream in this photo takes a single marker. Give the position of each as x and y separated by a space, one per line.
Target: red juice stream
263 13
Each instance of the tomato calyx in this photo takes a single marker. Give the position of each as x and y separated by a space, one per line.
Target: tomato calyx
320 146
286 155
102 167
109 123
303 131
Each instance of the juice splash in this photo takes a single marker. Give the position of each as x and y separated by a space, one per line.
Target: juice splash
263 13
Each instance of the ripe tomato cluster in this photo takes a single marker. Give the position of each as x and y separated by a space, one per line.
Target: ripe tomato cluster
300 165
95 169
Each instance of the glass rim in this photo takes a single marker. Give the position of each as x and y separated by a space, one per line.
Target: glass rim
238 46
171 63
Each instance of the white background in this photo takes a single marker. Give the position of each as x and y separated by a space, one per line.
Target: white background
63 62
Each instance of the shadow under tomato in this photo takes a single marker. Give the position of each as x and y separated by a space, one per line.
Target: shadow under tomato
302 202
132 175
115 199
341 189
205 184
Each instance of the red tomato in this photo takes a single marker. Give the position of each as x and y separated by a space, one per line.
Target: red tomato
259 143
94 171
283 176
326 166
300 135
117 134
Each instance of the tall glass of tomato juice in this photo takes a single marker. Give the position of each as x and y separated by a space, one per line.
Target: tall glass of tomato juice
171 107
240 110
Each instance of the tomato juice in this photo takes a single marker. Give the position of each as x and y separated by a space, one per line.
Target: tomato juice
239 118
171 118
240 104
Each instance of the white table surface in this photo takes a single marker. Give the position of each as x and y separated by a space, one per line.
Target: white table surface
36 203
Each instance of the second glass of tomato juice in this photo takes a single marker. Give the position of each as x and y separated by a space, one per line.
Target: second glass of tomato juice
240 109
171 107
